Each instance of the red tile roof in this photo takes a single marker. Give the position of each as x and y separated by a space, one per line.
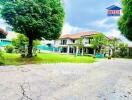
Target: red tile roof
78 35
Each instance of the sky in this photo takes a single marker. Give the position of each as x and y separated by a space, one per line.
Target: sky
88 15
91 15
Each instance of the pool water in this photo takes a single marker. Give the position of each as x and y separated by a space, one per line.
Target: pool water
4 43
40 47
45 47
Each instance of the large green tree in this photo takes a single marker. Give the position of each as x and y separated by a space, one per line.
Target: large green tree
113 44
98 42
35 19
125 22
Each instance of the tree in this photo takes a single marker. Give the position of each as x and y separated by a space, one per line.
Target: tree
123 49
20 41
113 44
98 42
4 1
125 22
80 44
35 19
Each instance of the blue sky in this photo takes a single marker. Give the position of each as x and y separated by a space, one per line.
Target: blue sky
90 15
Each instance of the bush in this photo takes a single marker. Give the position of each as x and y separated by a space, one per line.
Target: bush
109 57
123 50
9 48
1 58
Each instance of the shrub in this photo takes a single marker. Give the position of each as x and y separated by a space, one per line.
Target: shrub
123 50
109 57
1 58
9 48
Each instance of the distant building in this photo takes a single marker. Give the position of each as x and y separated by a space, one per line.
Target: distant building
68 43
113 11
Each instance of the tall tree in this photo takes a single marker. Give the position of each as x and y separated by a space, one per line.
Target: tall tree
113 44
80 44
125 22
123 49
35 19
98 42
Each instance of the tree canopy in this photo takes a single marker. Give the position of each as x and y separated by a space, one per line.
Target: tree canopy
35 18
125 22
99 40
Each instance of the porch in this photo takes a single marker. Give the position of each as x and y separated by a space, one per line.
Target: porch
76 50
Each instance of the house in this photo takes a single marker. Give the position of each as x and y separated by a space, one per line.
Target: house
113 10
68 43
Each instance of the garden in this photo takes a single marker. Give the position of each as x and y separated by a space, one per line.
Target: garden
36 20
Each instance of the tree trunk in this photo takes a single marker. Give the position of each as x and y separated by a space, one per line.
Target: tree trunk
30 48
95 52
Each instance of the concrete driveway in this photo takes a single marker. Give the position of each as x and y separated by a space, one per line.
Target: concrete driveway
103 80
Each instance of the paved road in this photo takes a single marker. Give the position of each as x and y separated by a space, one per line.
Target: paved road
103 80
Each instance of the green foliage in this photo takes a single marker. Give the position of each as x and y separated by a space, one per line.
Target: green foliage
35 18
98 42
1 57
9 48
125 22
20 42
109 57
113 44
4 1
36 42
79 43
123 49
15 59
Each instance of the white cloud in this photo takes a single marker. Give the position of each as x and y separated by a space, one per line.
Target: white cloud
103 22
69 29
116 33
3 24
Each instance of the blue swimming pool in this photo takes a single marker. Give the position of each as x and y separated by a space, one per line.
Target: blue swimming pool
4 43
45 47
40 47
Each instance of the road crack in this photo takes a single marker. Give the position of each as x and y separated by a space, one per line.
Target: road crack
24 95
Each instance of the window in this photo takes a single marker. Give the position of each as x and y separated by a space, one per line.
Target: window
73 41
63 42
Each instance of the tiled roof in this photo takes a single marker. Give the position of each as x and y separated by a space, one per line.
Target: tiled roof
78 35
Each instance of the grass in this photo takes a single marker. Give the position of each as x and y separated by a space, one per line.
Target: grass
15 59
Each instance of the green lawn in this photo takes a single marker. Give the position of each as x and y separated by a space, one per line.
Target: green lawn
15 59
